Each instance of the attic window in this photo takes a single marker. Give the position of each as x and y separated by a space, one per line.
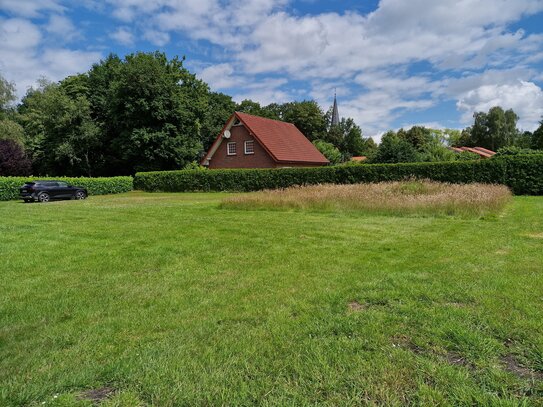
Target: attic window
249 147
231 148
237 123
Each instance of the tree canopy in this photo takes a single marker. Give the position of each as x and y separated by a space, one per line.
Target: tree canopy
148 112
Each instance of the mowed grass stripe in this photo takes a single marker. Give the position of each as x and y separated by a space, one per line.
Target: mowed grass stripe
169 300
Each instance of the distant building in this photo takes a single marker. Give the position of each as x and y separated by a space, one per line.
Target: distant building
335 113
248 141
480 151
359 158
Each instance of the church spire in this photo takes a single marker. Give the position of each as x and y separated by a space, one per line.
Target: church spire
335 112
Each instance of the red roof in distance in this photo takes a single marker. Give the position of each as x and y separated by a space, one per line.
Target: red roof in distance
480 151
282 140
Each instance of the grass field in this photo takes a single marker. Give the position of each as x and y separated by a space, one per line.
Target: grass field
168 300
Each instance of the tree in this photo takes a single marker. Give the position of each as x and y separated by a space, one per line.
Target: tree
417 136
61 135
7 95
537 137
250 107
394 149
307 116
220 108
151 112
330 151
495 129
13 160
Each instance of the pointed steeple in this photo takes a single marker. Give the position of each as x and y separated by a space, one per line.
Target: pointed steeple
335 112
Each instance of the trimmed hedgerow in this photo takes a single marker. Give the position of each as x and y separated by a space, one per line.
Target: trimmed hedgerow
9 186
522 173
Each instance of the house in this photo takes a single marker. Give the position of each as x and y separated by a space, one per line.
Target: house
359 158
248 141
480 151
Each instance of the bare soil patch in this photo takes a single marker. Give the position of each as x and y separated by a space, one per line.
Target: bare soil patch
512 365
355 306
97 395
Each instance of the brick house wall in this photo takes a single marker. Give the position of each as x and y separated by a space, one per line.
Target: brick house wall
239 135
260 158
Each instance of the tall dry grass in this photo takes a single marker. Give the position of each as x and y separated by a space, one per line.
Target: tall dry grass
396 198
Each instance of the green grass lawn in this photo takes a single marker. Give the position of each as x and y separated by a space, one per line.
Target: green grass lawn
167 300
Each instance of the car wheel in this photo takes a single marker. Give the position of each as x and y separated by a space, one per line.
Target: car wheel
80 195
44 197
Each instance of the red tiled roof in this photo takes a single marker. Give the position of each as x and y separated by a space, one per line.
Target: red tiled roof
282 140
484 150
359 158
480 151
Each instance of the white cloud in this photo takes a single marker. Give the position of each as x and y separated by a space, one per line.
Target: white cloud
158 38
18 34
374 50
62 28
525 98
30 8
465 46
221 76
24 59
123 36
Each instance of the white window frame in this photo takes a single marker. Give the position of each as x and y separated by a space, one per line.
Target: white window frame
245 147
231 143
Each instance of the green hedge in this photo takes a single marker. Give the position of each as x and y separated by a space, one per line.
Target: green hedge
9 186
522 173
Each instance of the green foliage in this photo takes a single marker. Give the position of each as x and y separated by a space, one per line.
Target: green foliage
467 156
521 173
307 116
329 151
7 94
254 108
537 137
195 165
61 135
417 136
9 186
220 108
143 112
495 129
395 149
152 108
513 150
11 130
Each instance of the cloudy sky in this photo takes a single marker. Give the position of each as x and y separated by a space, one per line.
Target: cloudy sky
394 62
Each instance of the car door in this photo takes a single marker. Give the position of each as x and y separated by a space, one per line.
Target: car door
51 188
62 190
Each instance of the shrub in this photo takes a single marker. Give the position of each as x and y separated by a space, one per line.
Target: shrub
523 174
13 160
9 186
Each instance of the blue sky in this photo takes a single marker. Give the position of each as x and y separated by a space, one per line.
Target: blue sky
394 63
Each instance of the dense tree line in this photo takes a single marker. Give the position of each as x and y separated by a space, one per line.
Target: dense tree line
147 112
138 113
496 130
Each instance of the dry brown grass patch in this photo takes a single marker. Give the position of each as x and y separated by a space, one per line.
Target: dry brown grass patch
397 198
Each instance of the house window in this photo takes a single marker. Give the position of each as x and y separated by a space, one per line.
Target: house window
249 147
231 148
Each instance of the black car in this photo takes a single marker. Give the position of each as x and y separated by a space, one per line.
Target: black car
44 191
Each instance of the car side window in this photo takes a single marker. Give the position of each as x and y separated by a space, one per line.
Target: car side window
62 184
51 184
